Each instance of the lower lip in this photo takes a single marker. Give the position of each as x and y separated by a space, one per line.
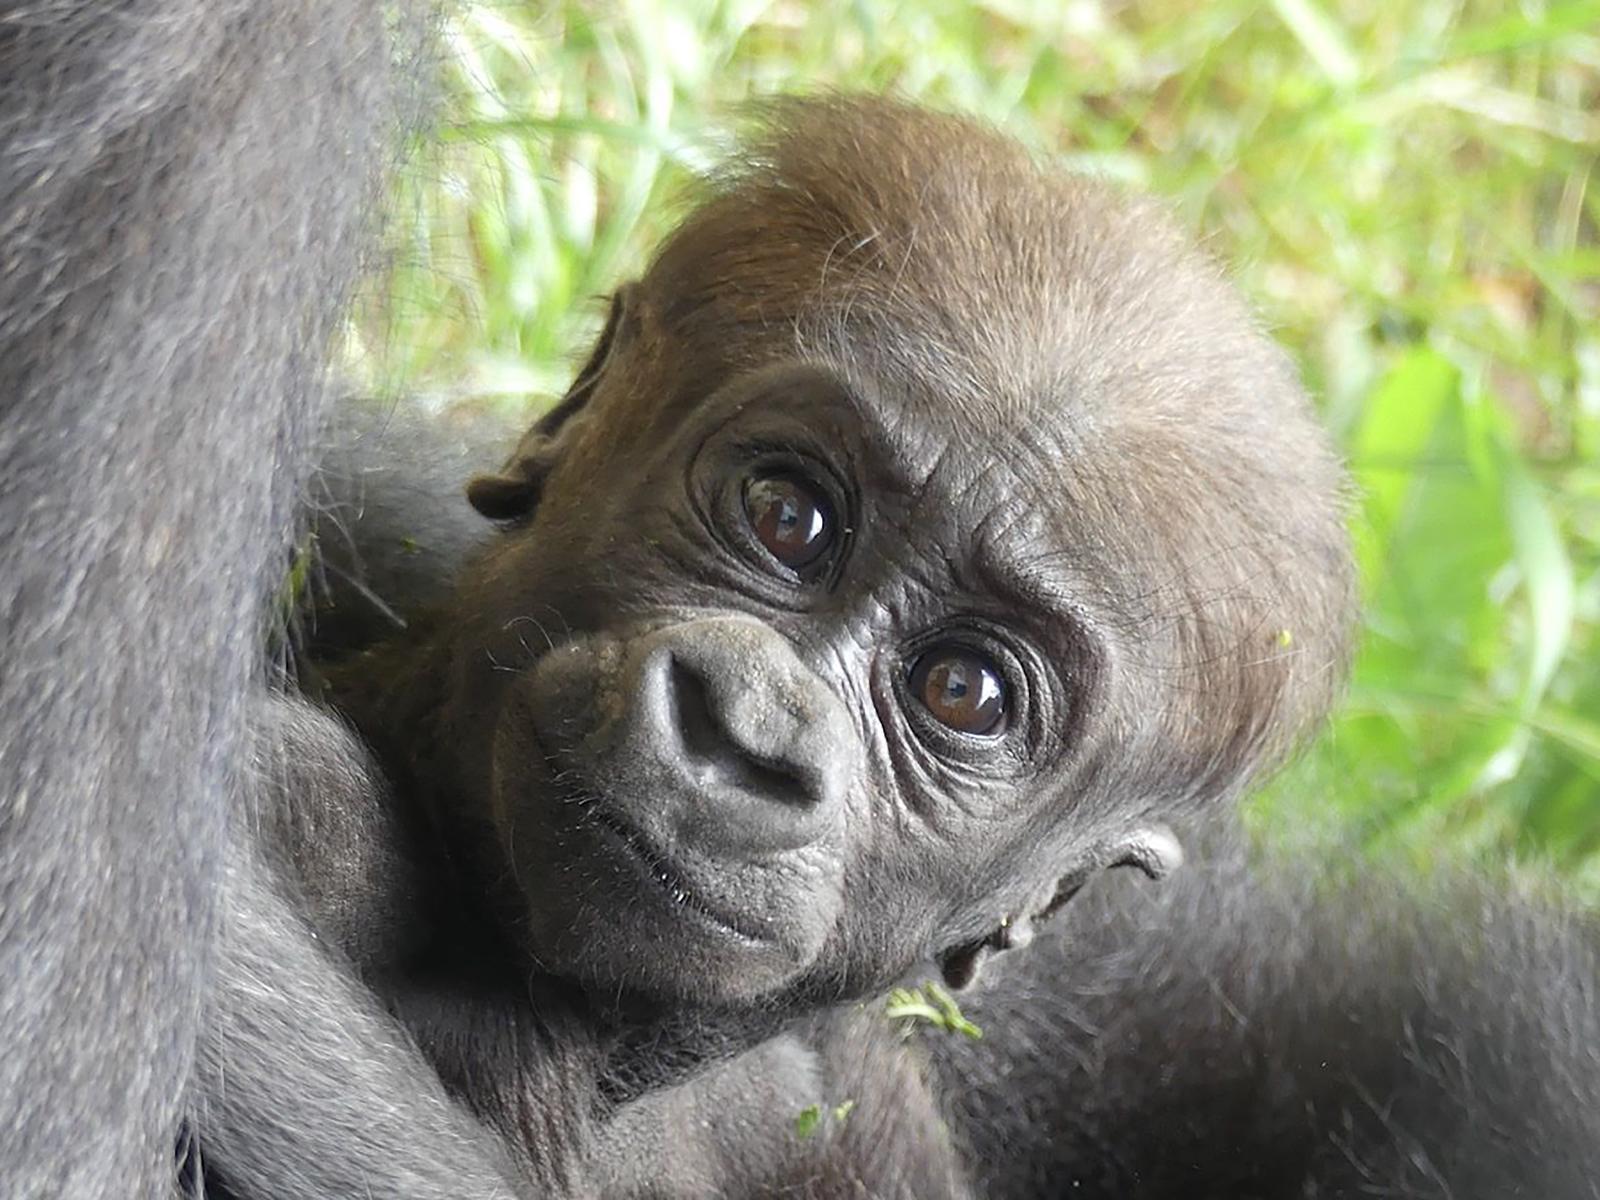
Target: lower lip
660 872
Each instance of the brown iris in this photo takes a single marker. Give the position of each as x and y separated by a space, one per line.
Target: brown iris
791 518
962 688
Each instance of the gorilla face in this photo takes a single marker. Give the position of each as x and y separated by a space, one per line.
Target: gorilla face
789 667
855 608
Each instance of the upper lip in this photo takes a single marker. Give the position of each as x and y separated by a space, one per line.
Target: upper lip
671 878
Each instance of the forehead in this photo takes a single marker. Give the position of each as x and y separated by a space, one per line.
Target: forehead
989 454
1019 340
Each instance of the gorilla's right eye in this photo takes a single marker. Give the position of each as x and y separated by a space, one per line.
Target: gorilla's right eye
790 517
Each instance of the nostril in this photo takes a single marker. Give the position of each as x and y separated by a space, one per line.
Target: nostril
717 754
696 725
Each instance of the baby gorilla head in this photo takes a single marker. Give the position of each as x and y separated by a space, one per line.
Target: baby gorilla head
924 530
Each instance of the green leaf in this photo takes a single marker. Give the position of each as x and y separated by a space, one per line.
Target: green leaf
930 1002
1392 439
1529 28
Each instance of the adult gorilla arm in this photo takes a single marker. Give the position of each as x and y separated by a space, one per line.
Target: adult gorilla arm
390 517
184 189
309 1087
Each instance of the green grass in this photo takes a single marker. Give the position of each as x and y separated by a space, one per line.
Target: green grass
1405 189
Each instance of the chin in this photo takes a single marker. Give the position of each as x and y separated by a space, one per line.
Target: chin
612 910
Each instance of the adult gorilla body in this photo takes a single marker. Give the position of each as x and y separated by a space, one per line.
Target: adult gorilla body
181 209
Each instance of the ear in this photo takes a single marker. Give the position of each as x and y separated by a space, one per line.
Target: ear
514 490
1153 850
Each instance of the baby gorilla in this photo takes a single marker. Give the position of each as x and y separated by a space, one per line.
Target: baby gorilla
926 530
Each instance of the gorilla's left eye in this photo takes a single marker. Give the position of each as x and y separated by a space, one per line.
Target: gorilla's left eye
962 688
791 518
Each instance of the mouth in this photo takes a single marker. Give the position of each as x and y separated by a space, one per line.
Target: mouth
663 877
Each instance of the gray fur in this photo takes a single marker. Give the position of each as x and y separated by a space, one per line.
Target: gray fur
183 197
308 1087
393 470
307 1084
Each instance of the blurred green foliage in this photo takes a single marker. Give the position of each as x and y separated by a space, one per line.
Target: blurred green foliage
1405 188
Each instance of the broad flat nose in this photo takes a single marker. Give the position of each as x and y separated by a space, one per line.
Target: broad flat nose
764 743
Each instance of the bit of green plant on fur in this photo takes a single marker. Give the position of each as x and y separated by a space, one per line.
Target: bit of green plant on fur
809 1119
929 1002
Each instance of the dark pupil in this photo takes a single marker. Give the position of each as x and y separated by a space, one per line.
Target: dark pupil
791 520
961 688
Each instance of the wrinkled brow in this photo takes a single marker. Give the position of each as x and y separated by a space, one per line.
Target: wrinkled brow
906 436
